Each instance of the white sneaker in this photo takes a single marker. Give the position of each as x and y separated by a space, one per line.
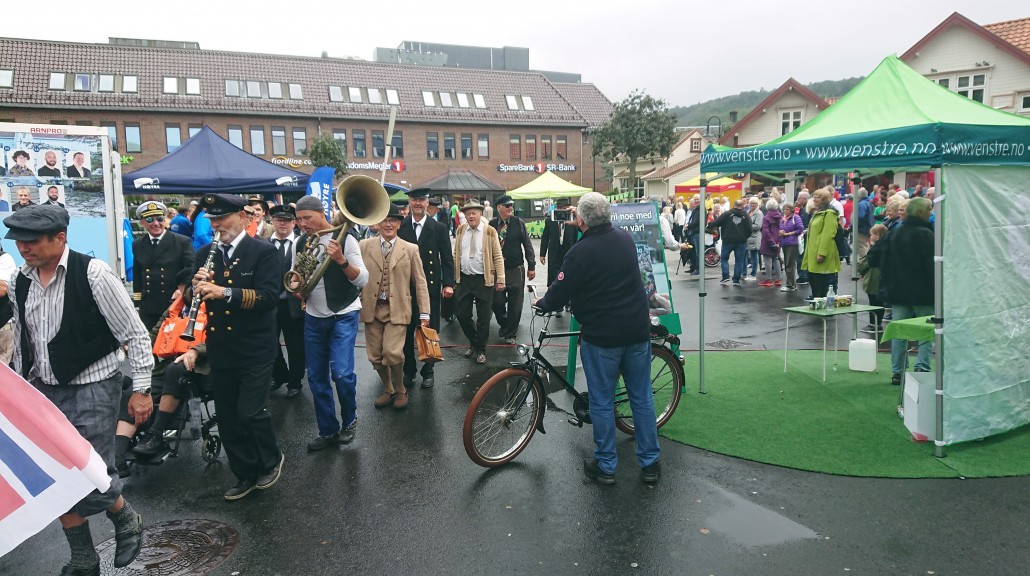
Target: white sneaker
750 278
784 289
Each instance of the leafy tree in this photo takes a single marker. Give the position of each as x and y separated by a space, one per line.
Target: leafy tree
327 151
641 127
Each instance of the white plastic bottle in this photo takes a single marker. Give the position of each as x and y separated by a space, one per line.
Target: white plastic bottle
831 299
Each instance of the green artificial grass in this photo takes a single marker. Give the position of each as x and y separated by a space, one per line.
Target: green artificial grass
847 426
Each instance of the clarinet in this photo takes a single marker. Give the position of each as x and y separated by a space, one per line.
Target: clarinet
187 333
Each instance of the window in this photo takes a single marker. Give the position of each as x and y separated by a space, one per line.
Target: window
112 132
512 103
341 136
561 148
57 80
232 87
193 86
6 78
236 136
527 103
466 146
398 145
427 98
253 89
448 145
354 93
790 120
81 82
129 84
463 100
445 100
479 100
296 93
83 123
515 147
392 98
359 143
192 130
377 144
257 140
275 90
335 94
106 83
171 85
375 96
946 82
59 122
1024 102
484 146
278 140
530 147
173 137
695 144
432 145
545 147
972 87
300 141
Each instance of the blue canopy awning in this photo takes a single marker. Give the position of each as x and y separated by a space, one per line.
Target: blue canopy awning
208 163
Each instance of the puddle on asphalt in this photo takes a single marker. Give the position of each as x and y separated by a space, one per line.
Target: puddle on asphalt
750 525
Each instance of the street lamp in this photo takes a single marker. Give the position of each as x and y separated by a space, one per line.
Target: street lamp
708 127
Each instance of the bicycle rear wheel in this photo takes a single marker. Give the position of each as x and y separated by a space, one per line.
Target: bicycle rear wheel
666 384
502 417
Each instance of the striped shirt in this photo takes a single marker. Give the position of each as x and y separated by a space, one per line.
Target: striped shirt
44 310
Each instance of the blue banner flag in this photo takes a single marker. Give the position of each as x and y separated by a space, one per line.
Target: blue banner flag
320 185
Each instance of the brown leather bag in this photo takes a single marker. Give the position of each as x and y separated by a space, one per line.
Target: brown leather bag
428 342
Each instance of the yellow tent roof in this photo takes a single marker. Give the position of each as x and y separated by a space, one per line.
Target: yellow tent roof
696 181
548 185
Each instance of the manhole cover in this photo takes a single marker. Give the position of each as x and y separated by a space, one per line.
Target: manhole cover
178 547
727 344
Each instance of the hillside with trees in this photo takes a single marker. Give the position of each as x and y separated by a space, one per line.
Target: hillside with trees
698 114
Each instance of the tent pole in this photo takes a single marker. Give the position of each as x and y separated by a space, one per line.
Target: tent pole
938 307
855 184
701 286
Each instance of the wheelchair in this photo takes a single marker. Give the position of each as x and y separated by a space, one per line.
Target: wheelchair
196 387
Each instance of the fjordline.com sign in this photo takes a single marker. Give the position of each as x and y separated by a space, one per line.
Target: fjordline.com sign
395 166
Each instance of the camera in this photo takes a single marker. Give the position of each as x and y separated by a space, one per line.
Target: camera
562 215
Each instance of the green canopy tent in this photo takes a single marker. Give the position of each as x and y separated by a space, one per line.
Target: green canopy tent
897 119
548 185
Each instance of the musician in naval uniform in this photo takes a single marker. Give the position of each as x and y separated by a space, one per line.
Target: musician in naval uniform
162 262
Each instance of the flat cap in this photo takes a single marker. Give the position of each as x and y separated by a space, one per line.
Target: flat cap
33 221
283 212
505 201
222 204
435 202
418 192
310 203
401 203
394 213
150 208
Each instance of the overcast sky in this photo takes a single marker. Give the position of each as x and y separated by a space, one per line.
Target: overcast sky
679 50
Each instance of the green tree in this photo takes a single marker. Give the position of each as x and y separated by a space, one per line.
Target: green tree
641 127
327 151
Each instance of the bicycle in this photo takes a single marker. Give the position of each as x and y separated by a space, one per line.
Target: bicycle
509 407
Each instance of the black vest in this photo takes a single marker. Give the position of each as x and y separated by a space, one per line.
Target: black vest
84 336
340 292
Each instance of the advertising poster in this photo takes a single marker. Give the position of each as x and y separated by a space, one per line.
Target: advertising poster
641 221
55 165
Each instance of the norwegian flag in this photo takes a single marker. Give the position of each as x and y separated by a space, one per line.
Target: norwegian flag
46 467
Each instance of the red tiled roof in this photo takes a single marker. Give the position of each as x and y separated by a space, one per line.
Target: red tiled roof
1010 29
33 60
674 169
588 101
1015 32
789 85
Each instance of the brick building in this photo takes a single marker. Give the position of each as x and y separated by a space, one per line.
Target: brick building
151 96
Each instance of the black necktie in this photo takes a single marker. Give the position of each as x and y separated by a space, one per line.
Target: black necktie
284 248
417 227
155 241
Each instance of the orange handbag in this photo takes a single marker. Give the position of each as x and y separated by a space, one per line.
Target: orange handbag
428 342
167 343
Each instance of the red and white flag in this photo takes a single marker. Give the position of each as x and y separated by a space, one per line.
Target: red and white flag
46 467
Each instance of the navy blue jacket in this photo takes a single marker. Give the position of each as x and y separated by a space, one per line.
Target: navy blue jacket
601 277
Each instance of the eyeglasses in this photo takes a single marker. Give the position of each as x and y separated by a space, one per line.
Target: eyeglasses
150 219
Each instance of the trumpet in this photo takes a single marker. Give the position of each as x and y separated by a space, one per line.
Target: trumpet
188 332
362 200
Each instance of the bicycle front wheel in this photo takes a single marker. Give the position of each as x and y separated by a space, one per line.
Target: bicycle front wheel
666 385
502 417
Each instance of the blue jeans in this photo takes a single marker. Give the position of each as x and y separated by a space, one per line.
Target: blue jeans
329 351
899 348
754 259
602 367
739 262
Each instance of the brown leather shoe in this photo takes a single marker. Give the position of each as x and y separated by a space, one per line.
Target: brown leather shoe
470 352
481 358
400 402
385 399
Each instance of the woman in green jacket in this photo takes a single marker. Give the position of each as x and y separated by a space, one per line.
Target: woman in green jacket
821 259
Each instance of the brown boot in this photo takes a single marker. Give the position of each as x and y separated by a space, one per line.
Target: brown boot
385 399
400 401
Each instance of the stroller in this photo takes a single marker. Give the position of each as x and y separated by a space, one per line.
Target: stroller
200 394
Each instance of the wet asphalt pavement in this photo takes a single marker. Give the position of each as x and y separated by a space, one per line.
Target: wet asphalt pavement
405 499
